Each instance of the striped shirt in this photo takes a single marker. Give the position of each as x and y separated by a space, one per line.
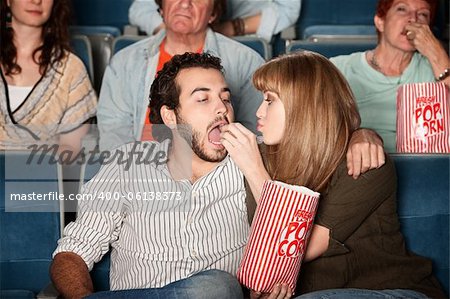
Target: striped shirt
167 232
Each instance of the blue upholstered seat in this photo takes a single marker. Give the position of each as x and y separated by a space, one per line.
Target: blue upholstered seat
423 207
258 44
81 47
331 48
102 12
29 229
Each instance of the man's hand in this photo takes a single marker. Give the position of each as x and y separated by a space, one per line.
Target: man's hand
280 291
365 151
70 276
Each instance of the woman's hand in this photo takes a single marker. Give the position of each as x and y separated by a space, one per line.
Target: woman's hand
242 146
423 39
280 291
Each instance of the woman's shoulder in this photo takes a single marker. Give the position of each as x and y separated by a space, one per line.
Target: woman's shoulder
352 58
74 62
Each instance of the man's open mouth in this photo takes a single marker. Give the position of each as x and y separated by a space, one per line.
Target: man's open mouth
214 133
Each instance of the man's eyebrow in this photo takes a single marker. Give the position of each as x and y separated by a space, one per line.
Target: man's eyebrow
225 89
200 89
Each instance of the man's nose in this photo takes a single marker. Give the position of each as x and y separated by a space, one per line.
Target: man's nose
185 3
221 107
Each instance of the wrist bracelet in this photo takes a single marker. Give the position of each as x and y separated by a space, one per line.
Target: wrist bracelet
238 26
443 75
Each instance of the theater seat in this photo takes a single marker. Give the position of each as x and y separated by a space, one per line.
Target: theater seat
423 207
82 47
30 228
258 44
332 47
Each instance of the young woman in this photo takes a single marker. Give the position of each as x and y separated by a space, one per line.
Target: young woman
45 92
356 247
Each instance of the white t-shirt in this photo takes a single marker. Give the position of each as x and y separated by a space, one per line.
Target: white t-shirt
17 95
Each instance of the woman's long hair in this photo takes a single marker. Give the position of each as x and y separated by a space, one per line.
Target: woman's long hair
55 37
321 115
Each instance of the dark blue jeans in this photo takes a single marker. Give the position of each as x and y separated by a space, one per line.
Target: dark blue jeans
204 285
363 294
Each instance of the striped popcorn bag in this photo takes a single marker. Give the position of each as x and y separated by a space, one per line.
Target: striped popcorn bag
423 118
278 238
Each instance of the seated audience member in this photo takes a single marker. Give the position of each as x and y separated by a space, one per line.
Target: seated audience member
171 258
45 92
356 249
407 52
265 18
185 247
124 94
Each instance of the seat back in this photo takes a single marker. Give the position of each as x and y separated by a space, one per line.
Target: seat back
339 32
330 48
81 47
334 14
258 44
101 52
92 30
124 41
423 207
101 12
30 222
101 40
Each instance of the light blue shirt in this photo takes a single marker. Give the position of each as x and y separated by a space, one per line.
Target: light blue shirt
276 15
124 96
376 94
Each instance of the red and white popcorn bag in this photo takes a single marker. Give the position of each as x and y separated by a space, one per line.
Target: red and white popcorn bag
278 238
423 118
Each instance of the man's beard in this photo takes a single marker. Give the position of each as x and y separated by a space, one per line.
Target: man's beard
192 137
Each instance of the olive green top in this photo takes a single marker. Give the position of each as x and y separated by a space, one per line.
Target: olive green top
366 248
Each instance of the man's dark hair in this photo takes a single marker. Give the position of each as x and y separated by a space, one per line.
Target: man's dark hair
166 91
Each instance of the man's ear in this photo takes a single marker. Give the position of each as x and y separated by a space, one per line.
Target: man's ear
168 116
379 23
212 19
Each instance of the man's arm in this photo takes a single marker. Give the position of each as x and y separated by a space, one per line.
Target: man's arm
115 111
365 152
70 275
87 239
265 19
145 15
